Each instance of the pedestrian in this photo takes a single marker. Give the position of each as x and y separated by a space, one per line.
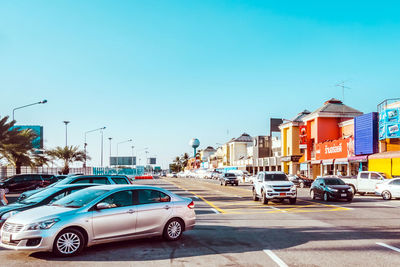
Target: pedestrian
3 198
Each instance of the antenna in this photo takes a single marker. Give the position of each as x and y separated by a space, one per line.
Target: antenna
341 84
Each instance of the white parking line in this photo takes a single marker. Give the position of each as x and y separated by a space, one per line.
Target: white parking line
274 208
196 197
275 258
216 211
388 246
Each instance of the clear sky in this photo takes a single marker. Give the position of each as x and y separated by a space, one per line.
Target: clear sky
163 72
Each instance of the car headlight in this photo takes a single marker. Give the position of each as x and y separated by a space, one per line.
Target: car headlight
350 189
293 187
332 189
42 225
7 215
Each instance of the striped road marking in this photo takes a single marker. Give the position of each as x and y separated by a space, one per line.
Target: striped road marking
275 258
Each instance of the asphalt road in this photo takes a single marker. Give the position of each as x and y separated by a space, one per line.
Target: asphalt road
233 230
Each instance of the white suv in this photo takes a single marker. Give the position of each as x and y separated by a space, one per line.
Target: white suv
273 185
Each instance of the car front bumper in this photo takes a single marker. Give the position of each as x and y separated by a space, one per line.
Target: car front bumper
20 240
340 195
274 194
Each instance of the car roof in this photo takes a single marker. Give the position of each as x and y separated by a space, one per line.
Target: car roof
265 172
73 185
128 187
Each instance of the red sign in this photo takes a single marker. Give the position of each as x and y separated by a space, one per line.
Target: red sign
332 150
303 136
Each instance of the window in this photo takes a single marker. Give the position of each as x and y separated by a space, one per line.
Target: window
395 182
364 175
120 180
276 177
375 176
101 180
81 181
58 196
260 177
119 199
147 196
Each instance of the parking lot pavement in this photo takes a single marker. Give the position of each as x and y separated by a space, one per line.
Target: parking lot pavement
232 230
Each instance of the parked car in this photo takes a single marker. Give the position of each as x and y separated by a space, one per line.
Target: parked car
96 215
389 189
365 182
44 197
23 182
228 178
329 188
84 179
300 181
273 185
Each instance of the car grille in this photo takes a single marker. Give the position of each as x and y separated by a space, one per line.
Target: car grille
12 227
282 189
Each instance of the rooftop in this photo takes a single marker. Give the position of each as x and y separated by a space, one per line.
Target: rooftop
333 108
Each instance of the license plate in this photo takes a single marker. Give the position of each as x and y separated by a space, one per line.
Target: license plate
343 195
282 194
6 237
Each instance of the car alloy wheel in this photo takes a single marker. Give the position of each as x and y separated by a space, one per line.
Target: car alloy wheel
264 199
173 230
386 195
312 194
68 243
255 197
326 197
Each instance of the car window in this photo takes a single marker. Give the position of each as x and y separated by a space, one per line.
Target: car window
120 180
119 199
364 175
395 182
147 196
260 177
58 196
81 181
101 180
275 177
80 198
375 176
334 182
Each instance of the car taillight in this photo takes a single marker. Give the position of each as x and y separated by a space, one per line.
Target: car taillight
191 205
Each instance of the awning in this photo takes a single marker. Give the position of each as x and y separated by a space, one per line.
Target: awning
342 161
316 162
358 158
327 162
385 155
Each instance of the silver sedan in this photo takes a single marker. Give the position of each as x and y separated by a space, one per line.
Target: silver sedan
98 215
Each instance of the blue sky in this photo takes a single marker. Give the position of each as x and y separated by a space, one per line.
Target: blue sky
163 72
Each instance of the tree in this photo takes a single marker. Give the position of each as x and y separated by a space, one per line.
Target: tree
17 148
184 160
68 154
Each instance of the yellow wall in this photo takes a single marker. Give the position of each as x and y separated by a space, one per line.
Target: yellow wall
396 166
381 165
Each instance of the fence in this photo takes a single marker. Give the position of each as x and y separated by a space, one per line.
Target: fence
119 171
10 171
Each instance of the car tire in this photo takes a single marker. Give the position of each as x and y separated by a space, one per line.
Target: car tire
301 185
312 194
255 197
350 199
264 199
61 249
226 184
173 229
292 201
326 197
237 184
354 189
386 195
221 183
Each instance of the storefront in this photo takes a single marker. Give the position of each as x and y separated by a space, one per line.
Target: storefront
342 167
334 157
357 164
386 162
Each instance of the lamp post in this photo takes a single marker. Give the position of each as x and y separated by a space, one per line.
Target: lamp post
130 140
132 156
110 138
85 144
40 102
66 132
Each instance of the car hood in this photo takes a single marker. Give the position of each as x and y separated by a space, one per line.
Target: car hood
10 207
339 186
279 183
40 214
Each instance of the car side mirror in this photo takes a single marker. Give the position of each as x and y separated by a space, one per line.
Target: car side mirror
103 206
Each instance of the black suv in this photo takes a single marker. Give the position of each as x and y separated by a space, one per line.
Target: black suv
228 178
23 182
331 188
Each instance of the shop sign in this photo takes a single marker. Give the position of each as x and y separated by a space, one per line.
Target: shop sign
286 159
293 158
389 123
332 150
303 137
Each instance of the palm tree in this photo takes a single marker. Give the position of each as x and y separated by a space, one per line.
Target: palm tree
17 148
68 154
184 160
178 164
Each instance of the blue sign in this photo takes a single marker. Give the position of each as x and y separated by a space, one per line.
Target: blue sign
389 123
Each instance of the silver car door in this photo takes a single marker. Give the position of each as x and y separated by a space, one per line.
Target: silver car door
119 219
154 210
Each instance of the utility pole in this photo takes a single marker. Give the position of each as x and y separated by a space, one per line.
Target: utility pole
66 132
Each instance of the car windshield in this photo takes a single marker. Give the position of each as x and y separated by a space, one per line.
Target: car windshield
230 175
80 198
334 182
275 177
40 196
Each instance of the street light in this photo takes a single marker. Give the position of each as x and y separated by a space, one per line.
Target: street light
85 144
41 102
132 155
66 132
130 140
110 138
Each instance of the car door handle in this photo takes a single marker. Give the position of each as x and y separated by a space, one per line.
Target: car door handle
167 207
131 211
